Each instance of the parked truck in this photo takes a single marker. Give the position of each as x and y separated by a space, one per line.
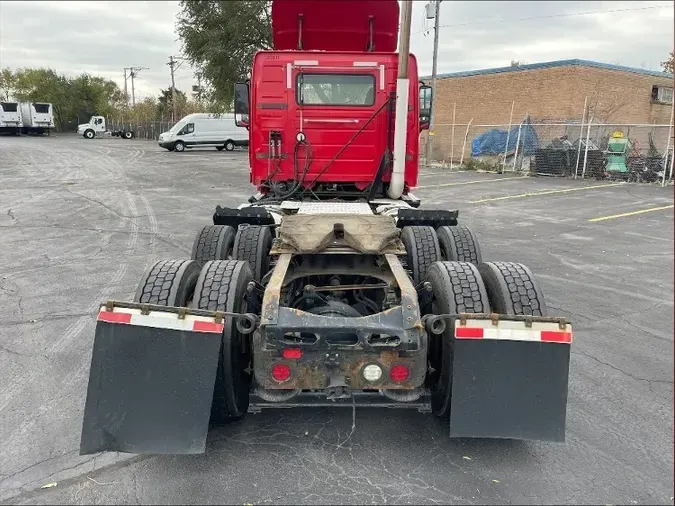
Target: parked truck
331 286
37 117
10 118
96 127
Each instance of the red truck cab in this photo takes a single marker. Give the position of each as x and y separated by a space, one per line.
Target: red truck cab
320 106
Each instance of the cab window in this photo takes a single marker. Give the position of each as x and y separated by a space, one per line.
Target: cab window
187 129
335 89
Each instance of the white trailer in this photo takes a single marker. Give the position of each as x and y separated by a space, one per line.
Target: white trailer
96 127
37 117
10 118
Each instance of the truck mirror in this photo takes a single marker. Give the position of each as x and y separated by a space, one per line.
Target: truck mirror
241 104
426 98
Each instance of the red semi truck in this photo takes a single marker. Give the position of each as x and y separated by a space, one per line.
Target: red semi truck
330 286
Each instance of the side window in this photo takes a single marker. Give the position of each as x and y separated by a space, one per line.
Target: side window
189 128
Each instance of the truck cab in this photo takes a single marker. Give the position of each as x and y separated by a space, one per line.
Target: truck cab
322 115
95 127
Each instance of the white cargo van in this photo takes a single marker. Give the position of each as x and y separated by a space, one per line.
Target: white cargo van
10 118
204 130
37 117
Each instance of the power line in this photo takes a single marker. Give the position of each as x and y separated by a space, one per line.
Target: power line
561 15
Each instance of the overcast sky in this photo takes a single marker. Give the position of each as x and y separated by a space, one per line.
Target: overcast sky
102 38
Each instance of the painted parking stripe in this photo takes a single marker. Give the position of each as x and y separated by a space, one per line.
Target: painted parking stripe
545 192
443 185
632 213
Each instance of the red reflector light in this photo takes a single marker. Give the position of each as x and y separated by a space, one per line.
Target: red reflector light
291 353
468 333
281 372
399 373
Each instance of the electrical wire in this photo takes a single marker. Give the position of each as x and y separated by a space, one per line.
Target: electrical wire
561 15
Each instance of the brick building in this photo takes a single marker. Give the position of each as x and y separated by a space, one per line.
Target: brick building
551 93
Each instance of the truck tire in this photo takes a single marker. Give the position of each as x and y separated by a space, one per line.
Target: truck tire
89 134
128 134
253 243
229 146
179 146
213 242
422 250
512 289
457 287
222 287
459 244
168 283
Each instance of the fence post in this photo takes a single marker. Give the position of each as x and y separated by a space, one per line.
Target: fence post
452 141
581 134
588 137
515 153
508 136
665 154
466 136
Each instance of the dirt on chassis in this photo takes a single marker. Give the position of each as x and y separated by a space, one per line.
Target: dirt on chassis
327 304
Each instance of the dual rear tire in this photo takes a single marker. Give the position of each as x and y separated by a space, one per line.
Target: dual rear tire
462 287
218 285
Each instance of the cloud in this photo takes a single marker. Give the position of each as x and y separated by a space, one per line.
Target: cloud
476 35
104 37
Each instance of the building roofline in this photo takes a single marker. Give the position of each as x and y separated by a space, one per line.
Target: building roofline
553 64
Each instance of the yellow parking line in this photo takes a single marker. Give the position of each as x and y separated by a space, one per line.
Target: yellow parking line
443 185
545 192
632 213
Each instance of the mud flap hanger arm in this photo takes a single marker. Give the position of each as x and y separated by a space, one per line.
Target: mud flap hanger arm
246 322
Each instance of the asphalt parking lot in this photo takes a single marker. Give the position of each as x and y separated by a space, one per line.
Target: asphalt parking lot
81 220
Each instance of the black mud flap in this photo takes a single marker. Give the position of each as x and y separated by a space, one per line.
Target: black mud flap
509 389
150 389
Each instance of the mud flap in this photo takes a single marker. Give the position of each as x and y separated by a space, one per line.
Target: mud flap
513 387
151 383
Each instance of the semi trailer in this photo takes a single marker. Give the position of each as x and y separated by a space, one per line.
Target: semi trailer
332 285
37 117
10 118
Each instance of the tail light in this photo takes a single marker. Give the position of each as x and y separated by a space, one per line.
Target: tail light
281 372
399 373
291 353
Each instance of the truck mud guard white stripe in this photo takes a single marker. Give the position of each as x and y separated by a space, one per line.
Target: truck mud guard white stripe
513 331
161 320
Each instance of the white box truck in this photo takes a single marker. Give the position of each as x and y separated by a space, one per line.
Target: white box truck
37 117
204 130
10 118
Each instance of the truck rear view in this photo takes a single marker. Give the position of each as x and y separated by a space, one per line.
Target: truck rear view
330 287
10 118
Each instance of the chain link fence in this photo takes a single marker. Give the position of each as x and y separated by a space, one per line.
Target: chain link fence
577 148
145 130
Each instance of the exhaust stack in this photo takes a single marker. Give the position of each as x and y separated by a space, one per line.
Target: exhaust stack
402 90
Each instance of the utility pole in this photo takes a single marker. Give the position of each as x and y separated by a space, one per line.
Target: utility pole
133 72
432 120
173 66
126 93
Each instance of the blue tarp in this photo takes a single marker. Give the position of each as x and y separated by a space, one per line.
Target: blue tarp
493 142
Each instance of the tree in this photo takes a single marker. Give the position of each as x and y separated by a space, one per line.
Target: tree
668 64
7 82
73 99
220 38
